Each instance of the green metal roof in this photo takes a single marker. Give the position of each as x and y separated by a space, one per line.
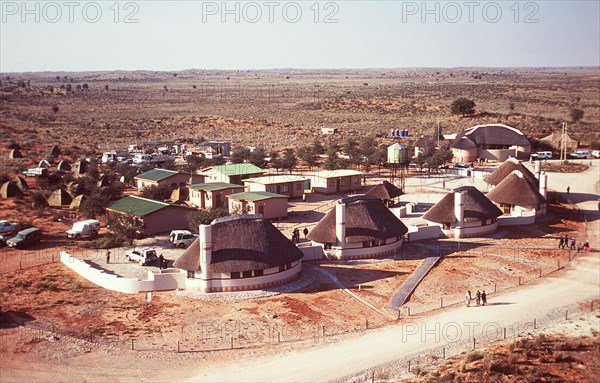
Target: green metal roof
214 186
156 174
255 196
238 169
137 206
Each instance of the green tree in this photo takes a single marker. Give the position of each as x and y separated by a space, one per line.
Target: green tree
332 162
576 114
94 204
308 156
354 153
257 157
204 217
317 147
126 227
276 161
289 160
240 155
158 193
462 106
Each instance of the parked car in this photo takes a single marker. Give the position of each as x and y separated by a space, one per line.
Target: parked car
580 154
596 153
25 238
182 238
542 155
461 165
142 255
88 228
8 227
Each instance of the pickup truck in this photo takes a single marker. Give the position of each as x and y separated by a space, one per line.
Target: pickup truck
89 228
8 227
142 255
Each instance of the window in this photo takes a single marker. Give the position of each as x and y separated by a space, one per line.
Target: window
247 274
446 226
366 244
190 274
235 275
271 189
285 188
258 273
356 180
344 182
330 183
298 186
327 246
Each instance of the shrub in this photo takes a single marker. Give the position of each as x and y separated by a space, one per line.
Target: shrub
475 355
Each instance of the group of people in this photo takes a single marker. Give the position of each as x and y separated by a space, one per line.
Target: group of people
296 234
571 243
564 242
480 297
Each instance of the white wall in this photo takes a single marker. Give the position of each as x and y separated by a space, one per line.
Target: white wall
506 220
364 252
311 252
418 233
164 281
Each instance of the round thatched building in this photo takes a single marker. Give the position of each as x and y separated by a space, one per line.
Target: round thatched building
241 252
359 227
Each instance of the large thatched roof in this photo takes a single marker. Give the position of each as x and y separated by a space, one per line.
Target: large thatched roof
477 207
507 168
64 166
463 143
385 190
242 243
517 190
494 134
367 219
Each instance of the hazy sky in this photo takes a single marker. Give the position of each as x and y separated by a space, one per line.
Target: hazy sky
70 35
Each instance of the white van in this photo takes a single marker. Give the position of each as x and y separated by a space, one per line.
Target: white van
109 157
182 238
88 228
596 153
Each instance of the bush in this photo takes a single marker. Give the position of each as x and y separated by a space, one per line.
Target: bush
475 355
108 242
204 217
462 106
158 193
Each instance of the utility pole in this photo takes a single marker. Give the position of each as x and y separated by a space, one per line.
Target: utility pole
438 133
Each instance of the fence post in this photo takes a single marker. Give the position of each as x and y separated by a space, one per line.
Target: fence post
409 366
408 309
558 264
178 348
442 302
566 314
366 324
540 273
534 324
473 343
443 352
278 337
519 281
132 347
494 286
504 332
232 342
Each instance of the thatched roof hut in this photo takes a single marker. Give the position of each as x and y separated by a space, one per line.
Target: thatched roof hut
44 164
10 189
518 190
103 181
385 191
477 207
509 166
15 153
242 243
77 201
64 166
463 143
21 183
493 134
367 219
59 197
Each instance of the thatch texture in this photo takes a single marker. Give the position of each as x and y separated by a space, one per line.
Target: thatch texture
477 207
367 219
509 166
494 134
55 151
242 244
10 189
516 190
463 143
59 197
385 191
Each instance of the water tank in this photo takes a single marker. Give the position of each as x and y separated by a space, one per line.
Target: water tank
397 154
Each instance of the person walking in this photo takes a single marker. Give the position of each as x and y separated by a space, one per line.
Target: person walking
304 197
161 261
468 298
573 244
566 241
305 232
478 297
568 190
483 298
561 242
107 257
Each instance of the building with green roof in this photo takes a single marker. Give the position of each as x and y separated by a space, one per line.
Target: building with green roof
231 173
269 205
156 216
164 177
212 195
